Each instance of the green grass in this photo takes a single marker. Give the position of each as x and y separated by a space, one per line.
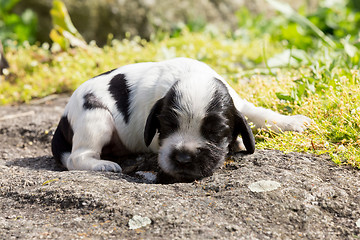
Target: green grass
314 78
336 116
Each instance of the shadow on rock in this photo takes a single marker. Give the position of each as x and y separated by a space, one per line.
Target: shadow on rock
43 162
134 167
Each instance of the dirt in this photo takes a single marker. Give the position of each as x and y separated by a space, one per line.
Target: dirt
313 198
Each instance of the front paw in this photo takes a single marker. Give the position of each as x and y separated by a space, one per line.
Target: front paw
297 123
107 166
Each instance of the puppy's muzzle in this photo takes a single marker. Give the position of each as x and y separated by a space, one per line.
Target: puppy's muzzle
182 158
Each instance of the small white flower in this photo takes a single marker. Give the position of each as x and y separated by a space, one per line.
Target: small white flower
341 148
355 110
45 46
33 63
6 71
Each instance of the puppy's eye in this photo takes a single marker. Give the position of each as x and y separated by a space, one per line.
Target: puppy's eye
216 133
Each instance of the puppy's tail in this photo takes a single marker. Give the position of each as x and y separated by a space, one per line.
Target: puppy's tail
61 143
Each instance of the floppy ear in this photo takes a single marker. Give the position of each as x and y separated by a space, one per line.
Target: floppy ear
243 128
152 122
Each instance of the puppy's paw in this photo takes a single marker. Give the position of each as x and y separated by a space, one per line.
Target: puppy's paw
106 166
297 123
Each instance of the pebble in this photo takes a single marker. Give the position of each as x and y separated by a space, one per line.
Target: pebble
138 222
78 219
232 228
264 186
358 223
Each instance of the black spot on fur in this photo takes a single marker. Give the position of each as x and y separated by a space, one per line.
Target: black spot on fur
162 118
120 92
218 123
221 100
62 139
92 102
222 105
169 121
153 122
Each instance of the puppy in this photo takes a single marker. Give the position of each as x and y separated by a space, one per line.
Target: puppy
180 108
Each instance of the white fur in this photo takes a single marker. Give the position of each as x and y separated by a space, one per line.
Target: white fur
149 82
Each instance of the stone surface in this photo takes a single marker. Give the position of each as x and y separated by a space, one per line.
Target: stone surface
38 199
139 222
264 186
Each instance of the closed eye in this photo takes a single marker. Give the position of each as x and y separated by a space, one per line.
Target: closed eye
215 126
216 133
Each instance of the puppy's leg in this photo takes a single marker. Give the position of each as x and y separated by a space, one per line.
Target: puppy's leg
266 118
92 131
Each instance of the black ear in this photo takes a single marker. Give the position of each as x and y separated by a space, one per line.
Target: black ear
152 122
242 127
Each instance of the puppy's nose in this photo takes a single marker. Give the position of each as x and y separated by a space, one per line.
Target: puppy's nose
183 158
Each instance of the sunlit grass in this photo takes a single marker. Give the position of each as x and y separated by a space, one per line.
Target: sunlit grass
336 116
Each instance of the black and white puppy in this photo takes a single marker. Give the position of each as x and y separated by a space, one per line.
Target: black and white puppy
180 108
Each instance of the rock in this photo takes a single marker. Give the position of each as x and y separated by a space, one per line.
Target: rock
138 222
264 186
317 199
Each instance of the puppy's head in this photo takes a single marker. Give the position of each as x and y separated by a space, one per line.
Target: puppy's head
196 121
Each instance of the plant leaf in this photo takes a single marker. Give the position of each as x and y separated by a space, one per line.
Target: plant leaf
63 29
291 14
288 57
350 49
